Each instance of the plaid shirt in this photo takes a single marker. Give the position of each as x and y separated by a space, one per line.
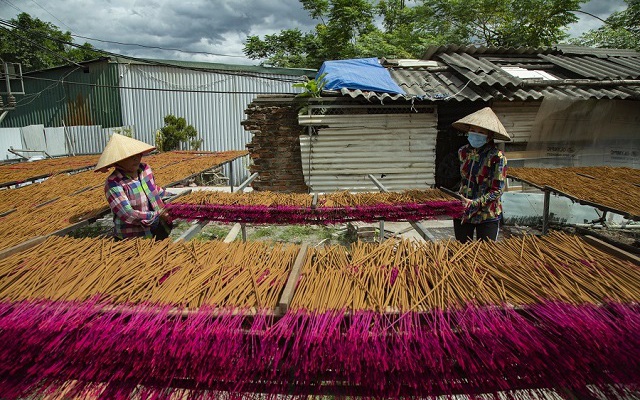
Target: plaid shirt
484 173
135 202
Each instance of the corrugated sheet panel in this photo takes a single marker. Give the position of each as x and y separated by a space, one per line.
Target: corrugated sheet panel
9 137
517 119
66 94
629 62
398 149
598 52
592 67
475 74
213 103
479 71
448 86
88 139
484 50
255 70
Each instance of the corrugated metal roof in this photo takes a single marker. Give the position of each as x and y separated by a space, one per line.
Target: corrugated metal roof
433 50
593 67
196 65
476 74
218 66
594 51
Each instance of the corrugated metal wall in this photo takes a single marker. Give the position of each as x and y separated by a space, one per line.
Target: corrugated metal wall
58 141
398 149
69 94
517 118
216 116
9 137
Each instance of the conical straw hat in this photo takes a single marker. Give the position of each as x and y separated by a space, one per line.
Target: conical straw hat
119 148
486 119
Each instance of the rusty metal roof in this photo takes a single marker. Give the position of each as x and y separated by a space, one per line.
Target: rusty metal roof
477 74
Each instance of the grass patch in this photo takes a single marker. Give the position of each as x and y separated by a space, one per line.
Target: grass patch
263 232
213 232
297 234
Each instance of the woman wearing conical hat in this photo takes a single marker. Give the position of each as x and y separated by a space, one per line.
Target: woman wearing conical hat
483 168
131 190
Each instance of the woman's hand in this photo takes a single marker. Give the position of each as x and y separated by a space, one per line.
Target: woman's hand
164 215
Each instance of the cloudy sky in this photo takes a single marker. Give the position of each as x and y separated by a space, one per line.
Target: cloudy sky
216 27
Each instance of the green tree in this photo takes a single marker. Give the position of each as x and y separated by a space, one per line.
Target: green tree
174 132
531 23
347 29
38 45
335 37
620 31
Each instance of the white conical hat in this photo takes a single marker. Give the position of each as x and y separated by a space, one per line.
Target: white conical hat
486 119
119 148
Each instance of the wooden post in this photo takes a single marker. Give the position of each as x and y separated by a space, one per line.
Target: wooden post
545 211
231 182
22 246
292 281
422 231
191 232
243 185
233 233
611 249
246 183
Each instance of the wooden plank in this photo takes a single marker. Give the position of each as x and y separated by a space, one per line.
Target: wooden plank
611 249
292 281
80 223
46 202
422 231
592 204
545 212
22 246
247 182
370 120
233 233
191 232
4 214
363 133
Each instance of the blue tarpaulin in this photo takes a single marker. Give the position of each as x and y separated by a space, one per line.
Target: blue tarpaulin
361 73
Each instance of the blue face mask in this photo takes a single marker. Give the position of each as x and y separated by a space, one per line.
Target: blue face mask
477 139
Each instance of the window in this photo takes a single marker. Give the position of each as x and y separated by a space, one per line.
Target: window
529 74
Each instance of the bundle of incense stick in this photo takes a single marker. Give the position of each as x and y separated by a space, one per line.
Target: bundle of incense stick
81 196
270 207
613 187
24 170
167 168
533 315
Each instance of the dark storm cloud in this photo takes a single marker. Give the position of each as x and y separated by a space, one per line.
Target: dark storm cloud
214 26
